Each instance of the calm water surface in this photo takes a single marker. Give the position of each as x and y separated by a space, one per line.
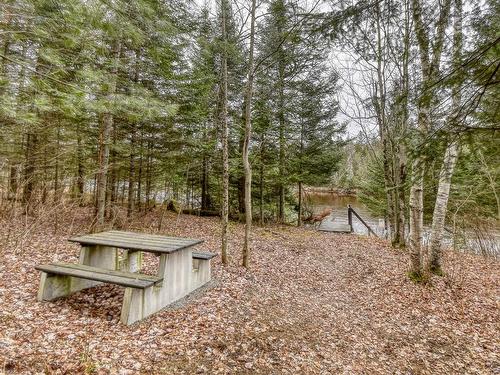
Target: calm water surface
487 243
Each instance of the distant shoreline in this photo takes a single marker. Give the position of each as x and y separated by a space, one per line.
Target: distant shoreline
342 192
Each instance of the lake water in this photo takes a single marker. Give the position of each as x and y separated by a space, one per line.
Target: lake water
338 203
485 242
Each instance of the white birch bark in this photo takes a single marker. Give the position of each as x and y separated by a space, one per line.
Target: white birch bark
440 208
450 157
430 61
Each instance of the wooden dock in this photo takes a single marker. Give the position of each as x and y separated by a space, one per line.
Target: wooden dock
343 223
335 225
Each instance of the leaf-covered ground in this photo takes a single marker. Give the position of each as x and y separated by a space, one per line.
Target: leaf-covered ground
312 303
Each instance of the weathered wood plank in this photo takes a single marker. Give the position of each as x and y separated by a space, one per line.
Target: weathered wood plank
337 228
125 279
203 255
131 275
136 241
149 237
143 239
122 244
152 236
130 241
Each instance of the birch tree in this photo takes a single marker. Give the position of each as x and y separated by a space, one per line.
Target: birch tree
430 59
451 153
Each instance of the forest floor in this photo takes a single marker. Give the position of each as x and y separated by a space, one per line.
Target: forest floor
312 303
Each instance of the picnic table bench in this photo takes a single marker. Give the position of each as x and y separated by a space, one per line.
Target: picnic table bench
181 270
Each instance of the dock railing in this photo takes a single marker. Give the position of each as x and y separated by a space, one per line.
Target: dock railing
351 211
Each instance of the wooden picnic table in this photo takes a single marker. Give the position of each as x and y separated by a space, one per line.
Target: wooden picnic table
116 257
136 241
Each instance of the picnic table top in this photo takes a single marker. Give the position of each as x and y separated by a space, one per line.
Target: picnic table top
136 241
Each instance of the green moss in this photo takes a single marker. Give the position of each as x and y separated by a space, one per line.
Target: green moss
437 270
418 277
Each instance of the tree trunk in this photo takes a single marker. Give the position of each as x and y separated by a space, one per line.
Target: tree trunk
416 218
104 138
450 157
139 181
440 208
302 131
430 62
192 193
387 155
401 159
33 146
13 186
246 144
80 178
225 136
281 119
131 172
57 193
241 193
29 168
44 167
122 197
299 217
111 190
103 161
241 179
400 204
261 178
205 192
148 175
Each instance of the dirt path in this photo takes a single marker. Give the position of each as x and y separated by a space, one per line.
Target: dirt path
312 303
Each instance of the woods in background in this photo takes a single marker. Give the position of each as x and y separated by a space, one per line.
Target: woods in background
430 71
234 108
120 104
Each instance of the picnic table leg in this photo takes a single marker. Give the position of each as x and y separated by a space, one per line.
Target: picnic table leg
201 272
55 286
99 256
95 256
132 261
176 270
